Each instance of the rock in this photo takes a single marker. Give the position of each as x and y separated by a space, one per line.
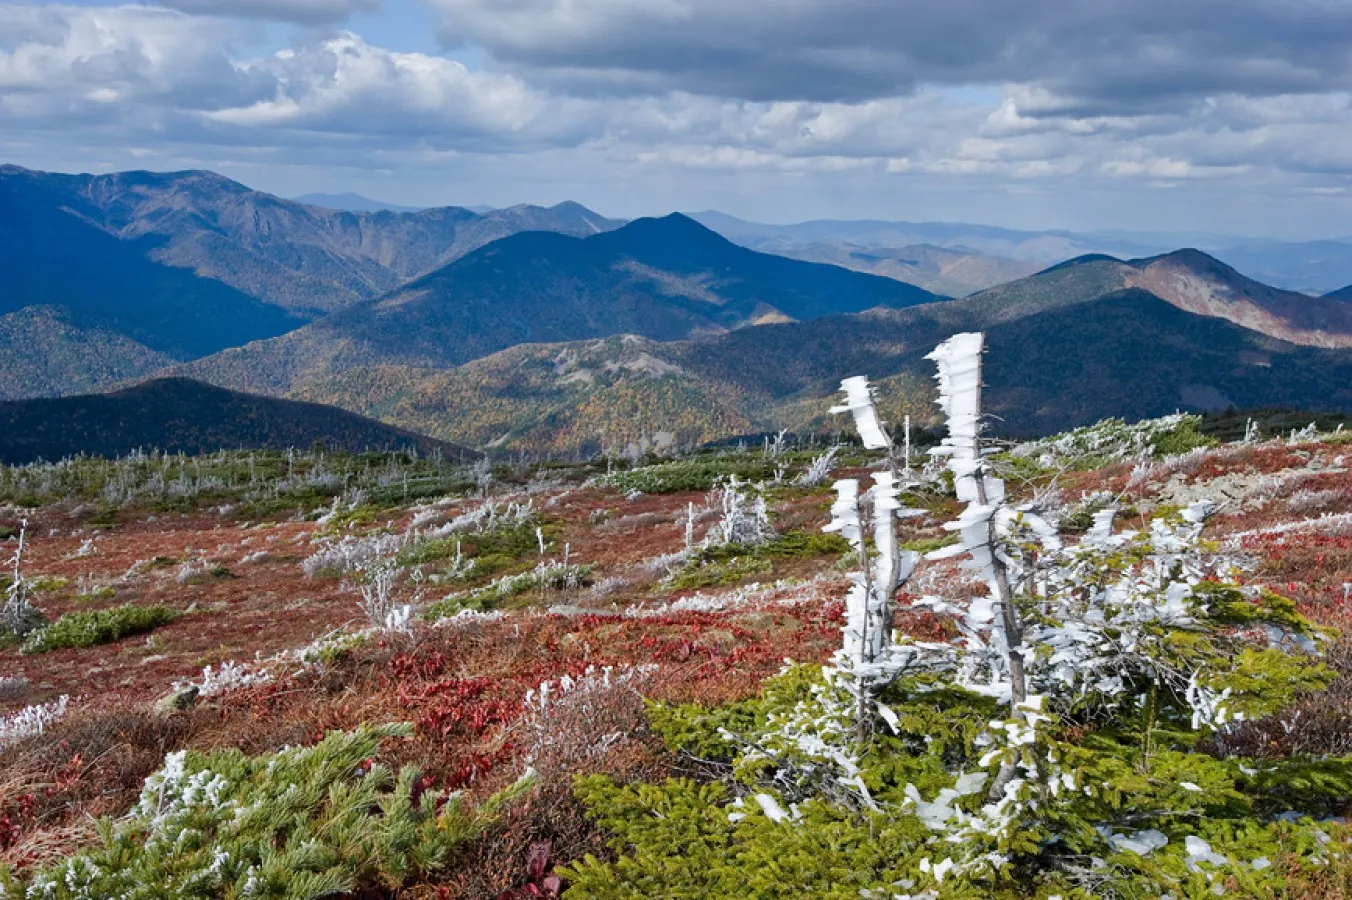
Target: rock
177 700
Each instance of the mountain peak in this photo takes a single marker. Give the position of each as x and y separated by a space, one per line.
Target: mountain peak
673 226
1190 258
1083 260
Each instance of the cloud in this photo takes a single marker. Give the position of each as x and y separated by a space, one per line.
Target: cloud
308 12
1103 55
812 104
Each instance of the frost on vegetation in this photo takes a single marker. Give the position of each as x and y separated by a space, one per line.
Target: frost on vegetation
488 516
1065 732
1113 440
229 676
350 553
744 516
1307 501
19 617
559 575
376 582
573 719
607 587
744 596
1304 435
317 821
31 721
193 569
819 469
859 403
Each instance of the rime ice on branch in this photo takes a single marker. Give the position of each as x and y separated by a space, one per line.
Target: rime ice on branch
869 655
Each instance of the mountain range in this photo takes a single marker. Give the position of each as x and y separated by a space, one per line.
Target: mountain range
664 279
1068 346
984 255
307 259
560 330
178 415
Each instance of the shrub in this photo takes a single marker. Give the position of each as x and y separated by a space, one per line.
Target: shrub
545 576
87 628
697 474
301 823
1113 440
1054 744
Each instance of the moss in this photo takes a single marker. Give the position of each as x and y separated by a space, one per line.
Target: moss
88 628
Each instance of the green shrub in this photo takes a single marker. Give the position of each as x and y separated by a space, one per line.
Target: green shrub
791 545
303 823
1139 769
696 474
87 628
547 576
699 573
1112 440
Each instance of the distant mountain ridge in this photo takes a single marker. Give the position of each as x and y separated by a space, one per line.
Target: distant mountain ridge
1310 267
1073 344
178 415
307 259
1196 282
51 256
664 279
354 203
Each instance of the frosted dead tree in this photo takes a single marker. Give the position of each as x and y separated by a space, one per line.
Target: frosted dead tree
867 656
744 516
859 403
19 615
992 534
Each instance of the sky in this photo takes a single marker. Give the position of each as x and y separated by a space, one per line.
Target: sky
1222 116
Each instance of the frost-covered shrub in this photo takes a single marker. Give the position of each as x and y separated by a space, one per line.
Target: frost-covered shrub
87 628
350 553
197 569
1048 747
19 617
1306 500
548 575
819 469
229 676
376 583
744 517
572 720
1113 440
488 516
31 721
305 822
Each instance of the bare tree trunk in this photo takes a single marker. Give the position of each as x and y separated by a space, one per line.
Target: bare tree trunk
1009 620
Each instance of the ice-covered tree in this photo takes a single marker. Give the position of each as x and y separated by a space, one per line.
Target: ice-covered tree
1065 737
19 616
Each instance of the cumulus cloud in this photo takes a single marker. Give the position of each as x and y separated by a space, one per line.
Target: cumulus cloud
1099 54
1079 95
